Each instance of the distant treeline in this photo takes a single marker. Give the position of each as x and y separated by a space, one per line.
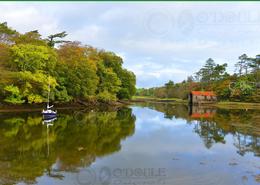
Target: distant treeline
243 85
29 63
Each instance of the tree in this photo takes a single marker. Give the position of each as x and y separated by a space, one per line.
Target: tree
159 92
34 87
242 65
14 96
255 66
128 80
76 71
111 60
205 73
169 85
29 63
190 79
219 72
211 72
5 55
52 38
32 37
109 83
6 33
27 57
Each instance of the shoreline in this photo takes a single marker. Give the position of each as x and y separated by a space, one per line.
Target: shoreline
220 104
159 100
237 105
115 105
64 106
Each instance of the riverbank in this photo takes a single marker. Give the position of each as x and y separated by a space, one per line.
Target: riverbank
154 99
238 105
115 105
87 105
221 104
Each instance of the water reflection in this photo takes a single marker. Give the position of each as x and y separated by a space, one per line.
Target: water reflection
196 145
30 147
213 125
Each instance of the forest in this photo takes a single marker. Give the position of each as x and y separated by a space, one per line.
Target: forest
243 85
32 66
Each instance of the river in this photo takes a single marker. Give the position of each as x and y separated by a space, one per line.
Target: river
144 144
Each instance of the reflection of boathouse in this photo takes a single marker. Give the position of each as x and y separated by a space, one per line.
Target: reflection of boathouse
201 112
202 97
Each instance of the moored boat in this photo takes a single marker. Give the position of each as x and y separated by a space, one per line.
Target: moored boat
49 113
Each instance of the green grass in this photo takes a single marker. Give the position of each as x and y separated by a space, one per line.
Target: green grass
157 99
238 105
222 104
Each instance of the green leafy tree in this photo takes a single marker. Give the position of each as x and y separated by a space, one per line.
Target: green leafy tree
168 86
32 37
206 72
14 96
255 66
76 71
27 57
109 83
52 38
6 33
29 63
128 82
35 86
127 78
242 65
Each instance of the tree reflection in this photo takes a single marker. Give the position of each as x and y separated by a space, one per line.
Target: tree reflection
213 125
209 132
29 148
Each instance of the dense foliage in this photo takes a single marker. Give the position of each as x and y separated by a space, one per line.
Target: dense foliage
243 85
29 63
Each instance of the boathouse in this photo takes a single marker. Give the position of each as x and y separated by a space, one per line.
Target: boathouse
202 97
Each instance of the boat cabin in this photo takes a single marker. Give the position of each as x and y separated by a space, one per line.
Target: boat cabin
202 97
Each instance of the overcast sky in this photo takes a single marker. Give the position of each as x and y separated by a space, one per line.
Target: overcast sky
158 41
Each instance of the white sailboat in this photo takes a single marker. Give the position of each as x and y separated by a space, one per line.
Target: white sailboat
49 113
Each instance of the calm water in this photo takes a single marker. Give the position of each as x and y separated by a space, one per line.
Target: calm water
141 145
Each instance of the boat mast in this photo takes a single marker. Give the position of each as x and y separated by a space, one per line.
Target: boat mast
49 89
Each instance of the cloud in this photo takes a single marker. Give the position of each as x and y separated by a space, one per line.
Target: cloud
158 46
153 73
92 34
27 18
158 42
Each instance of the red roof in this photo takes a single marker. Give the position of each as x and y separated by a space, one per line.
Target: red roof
205 115
203 93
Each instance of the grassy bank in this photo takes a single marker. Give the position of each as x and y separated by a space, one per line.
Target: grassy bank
238 105
224 105
154 99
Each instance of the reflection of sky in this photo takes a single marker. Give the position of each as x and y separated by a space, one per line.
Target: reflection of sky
158 141
145 123
172 144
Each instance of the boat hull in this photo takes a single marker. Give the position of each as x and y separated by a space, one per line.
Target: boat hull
48 116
